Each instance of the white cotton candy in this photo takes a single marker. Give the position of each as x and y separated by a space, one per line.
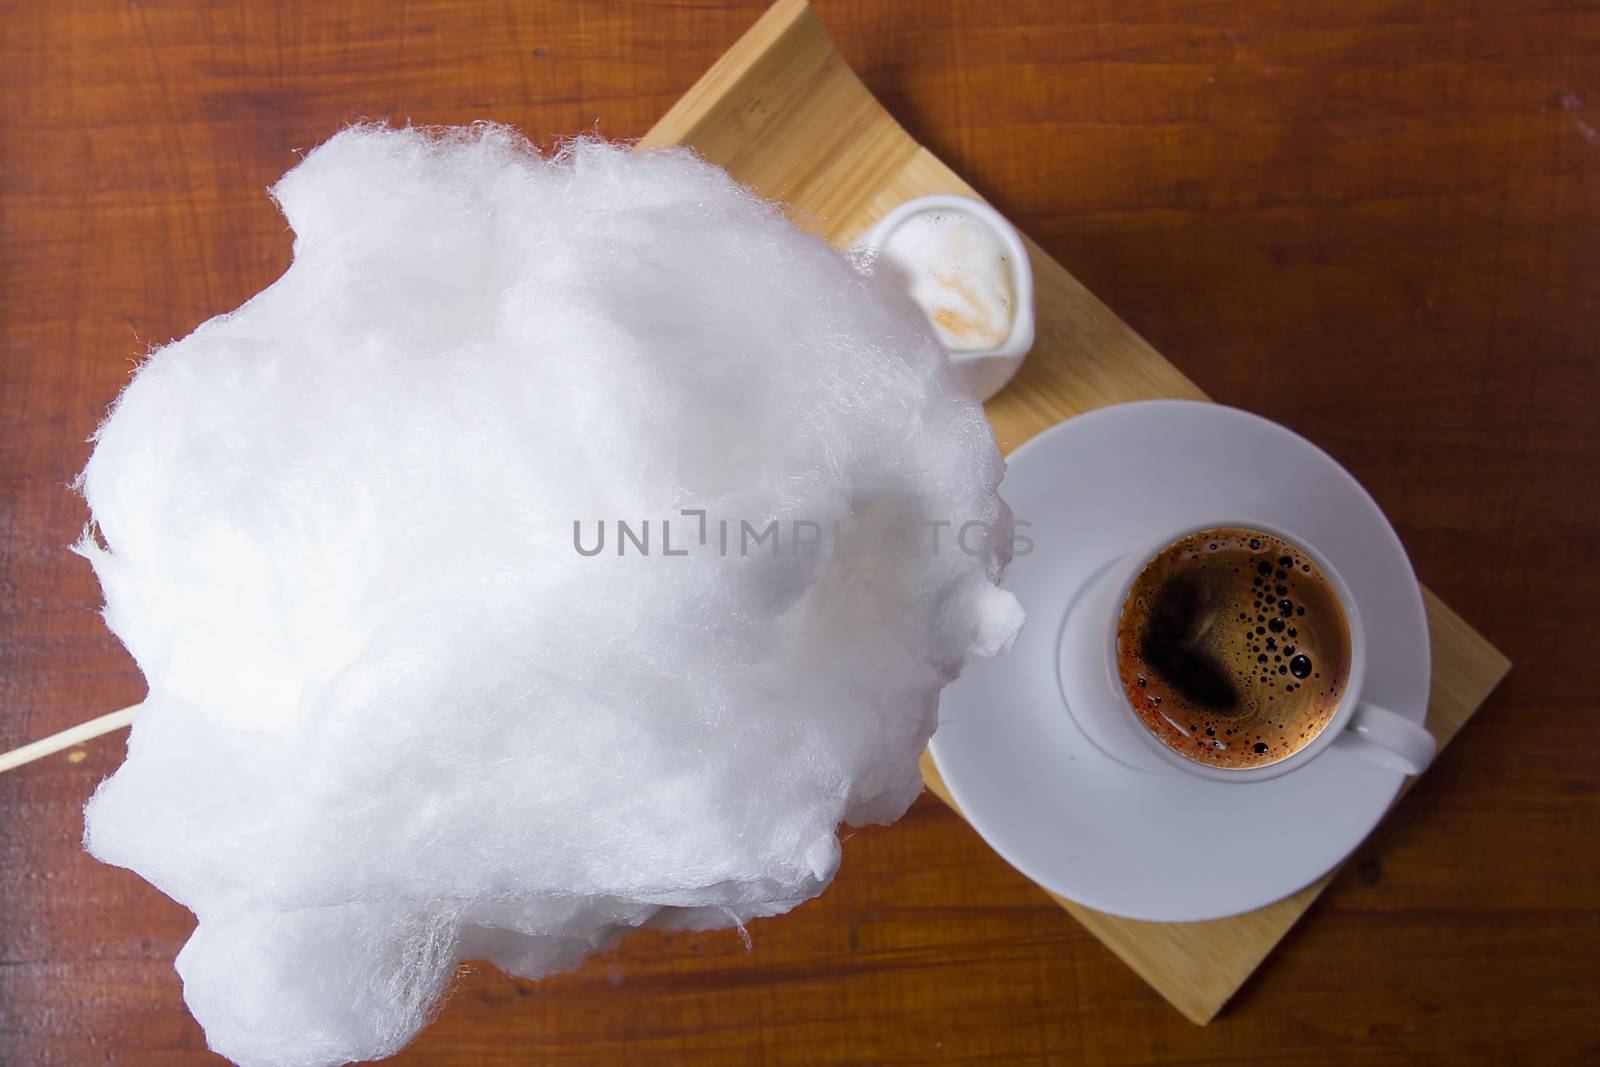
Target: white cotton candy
396 719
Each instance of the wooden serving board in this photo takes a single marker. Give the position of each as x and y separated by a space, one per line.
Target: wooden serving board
785 115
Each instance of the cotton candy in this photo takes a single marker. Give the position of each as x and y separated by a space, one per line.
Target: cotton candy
399 715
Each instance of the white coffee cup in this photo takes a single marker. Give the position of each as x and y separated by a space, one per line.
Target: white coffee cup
1093 690
985 372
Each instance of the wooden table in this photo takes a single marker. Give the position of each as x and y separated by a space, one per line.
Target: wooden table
1367 221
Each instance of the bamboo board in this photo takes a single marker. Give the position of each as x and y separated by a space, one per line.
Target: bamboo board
785 115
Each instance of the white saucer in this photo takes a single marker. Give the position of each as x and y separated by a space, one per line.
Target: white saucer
1170 847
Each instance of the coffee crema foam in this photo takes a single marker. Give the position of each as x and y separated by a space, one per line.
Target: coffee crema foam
1233 649
958 272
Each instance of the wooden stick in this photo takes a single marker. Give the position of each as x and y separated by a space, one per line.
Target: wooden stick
72 735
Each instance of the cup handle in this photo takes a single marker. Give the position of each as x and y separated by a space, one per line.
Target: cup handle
1389 740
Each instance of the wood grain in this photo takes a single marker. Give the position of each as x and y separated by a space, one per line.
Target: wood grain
785 115
1373 221
1198 967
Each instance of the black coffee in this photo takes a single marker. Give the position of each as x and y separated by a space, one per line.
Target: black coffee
1233 649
